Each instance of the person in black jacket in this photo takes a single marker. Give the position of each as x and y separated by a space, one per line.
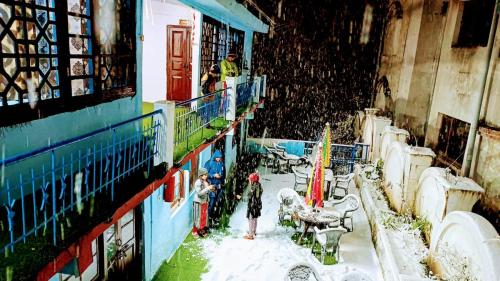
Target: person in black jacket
209 79
254 205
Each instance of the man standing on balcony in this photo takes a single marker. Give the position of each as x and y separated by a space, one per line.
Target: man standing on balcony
216 175
228 67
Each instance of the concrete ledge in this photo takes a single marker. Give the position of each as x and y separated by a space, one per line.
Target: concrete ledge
388 255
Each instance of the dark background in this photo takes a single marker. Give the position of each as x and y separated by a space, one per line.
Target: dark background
317 69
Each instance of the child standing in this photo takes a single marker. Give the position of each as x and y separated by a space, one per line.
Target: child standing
254 205
200 204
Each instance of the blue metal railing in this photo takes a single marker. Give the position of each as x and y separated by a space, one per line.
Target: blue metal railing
61 178
193 115
244 93
343 157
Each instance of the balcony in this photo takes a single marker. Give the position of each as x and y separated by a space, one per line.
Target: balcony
200 119
54 194
197 120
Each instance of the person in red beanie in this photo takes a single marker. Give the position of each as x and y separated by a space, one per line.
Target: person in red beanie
254 205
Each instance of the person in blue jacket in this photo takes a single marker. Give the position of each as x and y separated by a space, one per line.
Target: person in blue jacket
216 176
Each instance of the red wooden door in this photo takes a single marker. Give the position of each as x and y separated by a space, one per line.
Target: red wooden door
178 63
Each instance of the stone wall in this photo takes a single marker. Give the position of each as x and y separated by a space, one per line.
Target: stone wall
429 77
410 60
463 245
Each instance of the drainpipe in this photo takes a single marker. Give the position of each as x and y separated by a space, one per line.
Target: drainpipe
477 108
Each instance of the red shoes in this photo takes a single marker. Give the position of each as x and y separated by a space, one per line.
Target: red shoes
248 237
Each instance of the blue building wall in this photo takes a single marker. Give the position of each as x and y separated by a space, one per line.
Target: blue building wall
164 228
204 156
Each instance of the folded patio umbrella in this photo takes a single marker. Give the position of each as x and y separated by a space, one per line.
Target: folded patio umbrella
314 195
327 145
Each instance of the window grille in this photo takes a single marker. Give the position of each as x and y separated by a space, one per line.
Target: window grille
67 49
217 40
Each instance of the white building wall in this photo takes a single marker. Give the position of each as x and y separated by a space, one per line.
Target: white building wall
156 18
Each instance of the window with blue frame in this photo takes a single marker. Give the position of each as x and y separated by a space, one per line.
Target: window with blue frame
74 53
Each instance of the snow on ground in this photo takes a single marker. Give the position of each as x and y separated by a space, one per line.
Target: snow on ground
272 252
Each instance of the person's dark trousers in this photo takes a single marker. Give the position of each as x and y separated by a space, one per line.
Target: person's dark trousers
219 202
211 207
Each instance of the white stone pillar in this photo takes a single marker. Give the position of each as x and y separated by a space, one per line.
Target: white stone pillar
167 132
389 135
417 159
440 193
263 93
372 134
231 83
229 150
256 94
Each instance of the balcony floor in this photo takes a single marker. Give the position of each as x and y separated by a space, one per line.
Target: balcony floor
272 252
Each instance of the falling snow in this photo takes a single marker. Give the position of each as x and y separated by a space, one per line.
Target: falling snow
317 69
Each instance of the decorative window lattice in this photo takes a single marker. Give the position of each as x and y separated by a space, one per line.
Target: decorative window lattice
28 50
81 68
92 50
236 39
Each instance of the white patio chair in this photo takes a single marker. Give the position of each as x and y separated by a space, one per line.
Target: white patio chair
280 149
328 238
275 159
289 201
302 272
342 182
269 158
300 180
346 208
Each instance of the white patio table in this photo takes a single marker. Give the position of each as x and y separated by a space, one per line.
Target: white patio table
316 217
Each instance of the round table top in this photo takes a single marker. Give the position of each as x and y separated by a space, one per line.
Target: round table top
318 216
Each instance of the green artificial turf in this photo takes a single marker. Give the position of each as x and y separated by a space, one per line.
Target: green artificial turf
307 242
187 263
241 109
182 148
